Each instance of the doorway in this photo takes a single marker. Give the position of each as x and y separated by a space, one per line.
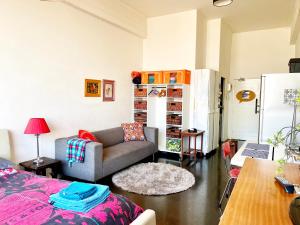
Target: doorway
243 115
221 107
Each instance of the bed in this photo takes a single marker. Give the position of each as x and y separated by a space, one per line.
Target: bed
24 201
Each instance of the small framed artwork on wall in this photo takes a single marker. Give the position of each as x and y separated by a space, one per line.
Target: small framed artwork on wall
108 90
92 88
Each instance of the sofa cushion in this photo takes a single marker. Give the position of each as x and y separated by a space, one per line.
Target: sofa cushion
133 131
83 134
124 154
110 137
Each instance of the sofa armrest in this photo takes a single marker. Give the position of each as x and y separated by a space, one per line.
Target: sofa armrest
90 170
151 134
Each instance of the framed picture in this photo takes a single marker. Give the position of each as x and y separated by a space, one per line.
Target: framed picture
108 90
92 88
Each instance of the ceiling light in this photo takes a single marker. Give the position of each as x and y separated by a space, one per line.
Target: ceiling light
221 3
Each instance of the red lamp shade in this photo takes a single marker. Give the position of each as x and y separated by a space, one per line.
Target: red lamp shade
37 126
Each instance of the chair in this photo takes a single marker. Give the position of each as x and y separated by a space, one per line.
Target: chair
232 173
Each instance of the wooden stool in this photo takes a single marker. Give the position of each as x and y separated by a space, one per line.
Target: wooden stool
184 134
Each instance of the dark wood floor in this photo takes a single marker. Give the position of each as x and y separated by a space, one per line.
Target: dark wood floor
196 206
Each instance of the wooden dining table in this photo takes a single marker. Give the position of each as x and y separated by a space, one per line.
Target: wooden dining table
256 198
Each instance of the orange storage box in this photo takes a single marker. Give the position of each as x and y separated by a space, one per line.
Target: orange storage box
174 106
174 119
140 92
140 117
140 105
179 76
152 77
173 132
175 92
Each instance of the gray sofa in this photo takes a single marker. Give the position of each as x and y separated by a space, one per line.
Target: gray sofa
110 155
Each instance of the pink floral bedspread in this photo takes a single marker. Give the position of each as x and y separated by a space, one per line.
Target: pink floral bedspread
24 201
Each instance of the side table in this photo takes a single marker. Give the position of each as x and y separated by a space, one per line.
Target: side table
40 169
184 134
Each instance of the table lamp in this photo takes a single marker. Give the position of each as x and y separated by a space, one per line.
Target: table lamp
37 126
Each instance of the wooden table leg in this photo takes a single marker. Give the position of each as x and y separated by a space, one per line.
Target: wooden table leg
201 143
55 171
189 144
41 172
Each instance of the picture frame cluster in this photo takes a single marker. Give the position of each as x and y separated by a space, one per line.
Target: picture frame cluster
93 88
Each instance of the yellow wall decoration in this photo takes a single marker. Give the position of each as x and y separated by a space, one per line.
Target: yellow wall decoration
245 96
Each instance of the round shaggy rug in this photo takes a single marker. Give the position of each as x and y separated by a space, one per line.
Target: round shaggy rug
154 179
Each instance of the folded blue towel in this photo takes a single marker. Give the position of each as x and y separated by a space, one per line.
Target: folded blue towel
78 191
83 205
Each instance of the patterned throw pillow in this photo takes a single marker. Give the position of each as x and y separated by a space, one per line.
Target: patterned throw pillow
133 131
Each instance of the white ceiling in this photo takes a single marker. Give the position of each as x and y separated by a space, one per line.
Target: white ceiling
241 15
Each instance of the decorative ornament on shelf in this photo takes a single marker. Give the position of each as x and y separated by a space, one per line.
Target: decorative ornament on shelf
136 77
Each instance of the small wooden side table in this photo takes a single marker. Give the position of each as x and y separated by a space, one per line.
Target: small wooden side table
184 134
40 169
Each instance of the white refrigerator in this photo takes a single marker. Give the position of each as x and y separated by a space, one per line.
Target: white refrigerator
205 112
275 113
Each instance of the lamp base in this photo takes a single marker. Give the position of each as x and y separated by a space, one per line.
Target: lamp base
38 161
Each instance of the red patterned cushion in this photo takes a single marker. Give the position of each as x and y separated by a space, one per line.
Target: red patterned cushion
86 135
133 131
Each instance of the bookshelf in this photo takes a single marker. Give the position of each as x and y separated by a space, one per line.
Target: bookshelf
165 106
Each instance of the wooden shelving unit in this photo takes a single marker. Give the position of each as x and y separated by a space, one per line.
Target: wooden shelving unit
157 111
140 112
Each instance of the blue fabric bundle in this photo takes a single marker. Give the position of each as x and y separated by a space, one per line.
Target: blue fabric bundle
87 200
78 191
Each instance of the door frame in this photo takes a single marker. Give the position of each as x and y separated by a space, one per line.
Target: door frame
222 109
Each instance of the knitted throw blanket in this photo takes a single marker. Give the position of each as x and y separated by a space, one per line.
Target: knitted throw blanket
76 150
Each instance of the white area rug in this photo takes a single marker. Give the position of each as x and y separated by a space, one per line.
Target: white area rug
154 179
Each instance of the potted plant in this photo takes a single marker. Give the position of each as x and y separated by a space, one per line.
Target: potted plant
287 136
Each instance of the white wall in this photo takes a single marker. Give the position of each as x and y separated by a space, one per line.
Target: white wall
171 42
115 12
257 52
201 41
213 40
298 47
295 24
47 50
224 70
225 50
